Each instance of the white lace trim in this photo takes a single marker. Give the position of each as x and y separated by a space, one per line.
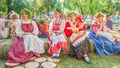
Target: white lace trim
79 40
57 38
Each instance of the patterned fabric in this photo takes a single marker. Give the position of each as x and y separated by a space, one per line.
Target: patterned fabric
61 22
77 38
82 48
58 42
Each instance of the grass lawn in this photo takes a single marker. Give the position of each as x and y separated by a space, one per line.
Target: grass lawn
97 62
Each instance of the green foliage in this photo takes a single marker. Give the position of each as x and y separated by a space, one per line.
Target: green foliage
86 7
48 6
3 6
40 20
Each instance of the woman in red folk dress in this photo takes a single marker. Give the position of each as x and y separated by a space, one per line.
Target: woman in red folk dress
26 44
75 29
56 35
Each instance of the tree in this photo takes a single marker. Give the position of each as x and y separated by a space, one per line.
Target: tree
84 6
9 4
3 6
48 6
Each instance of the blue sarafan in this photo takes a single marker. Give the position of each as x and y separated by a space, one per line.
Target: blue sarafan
103 46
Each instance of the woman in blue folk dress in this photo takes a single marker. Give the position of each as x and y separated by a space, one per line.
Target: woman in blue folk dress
103 45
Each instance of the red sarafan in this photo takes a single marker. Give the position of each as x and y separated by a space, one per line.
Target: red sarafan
27 27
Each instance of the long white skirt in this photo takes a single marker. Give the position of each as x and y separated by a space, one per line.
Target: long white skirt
33 43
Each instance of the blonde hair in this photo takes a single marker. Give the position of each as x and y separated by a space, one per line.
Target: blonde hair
14 16
98 15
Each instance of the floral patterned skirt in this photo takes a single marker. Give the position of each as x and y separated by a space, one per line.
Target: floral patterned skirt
81 49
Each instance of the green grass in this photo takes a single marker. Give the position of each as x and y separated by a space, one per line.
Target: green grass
97 62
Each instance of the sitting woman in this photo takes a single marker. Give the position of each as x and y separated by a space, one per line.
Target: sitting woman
76 30
2 26
26 44
57 38
103 45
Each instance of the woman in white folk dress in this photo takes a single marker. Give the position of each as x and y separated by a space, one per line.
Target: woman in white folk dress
57 38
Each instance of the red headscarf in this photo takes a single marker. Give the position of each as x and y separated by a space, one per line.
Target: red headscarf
80 23
79 19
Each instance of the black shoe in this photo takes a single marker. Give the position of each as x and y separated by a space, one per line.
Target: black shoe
53 57
57 55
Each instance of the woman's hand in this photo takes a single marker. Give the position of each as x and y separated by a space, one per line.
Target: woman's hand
75 30
97 33
34 34
51 33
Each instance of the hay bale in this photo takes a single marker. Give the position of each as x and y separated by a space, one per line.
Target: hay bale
4 47
6 43
46 46
92 45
